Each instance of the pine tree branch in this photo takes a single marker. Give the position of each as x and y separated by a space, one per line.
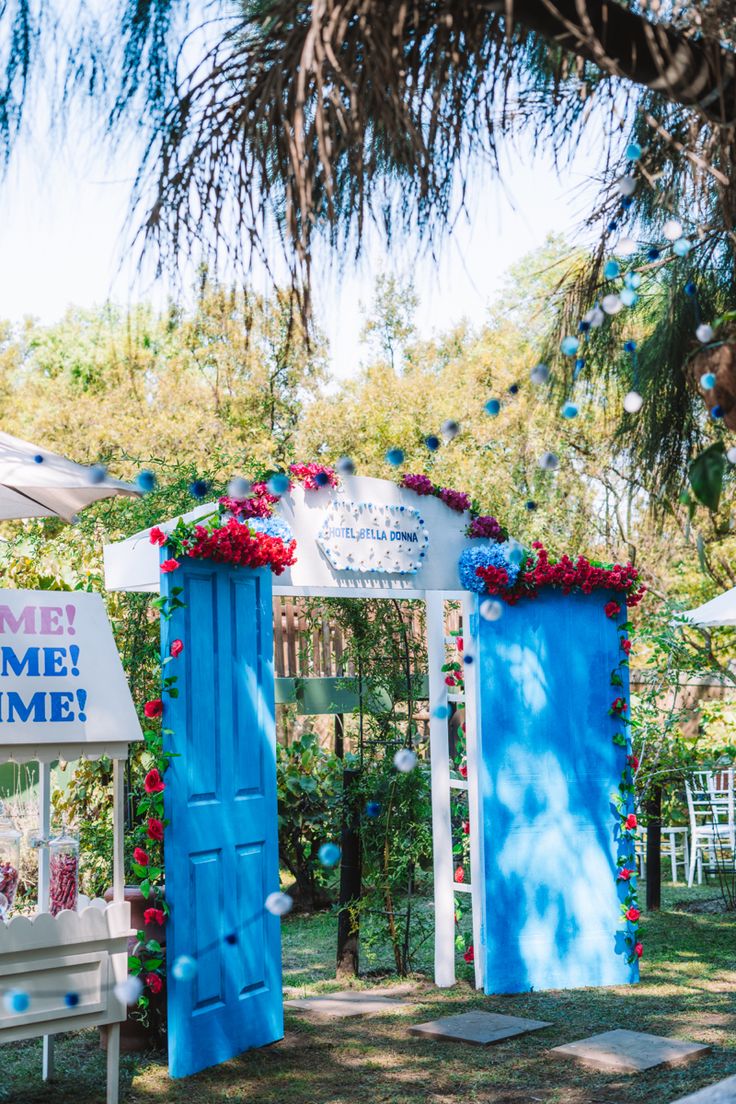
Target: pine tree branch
692 72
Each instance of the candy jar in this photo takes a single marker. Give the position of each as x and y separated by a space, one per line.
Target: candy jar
9 861
63 871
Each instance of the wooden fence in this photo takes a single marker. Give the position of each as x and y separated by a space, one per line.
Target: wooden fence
306 646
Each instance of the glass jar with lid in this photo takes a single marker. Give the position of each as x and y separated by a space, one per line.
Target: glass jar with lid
9 861
63 871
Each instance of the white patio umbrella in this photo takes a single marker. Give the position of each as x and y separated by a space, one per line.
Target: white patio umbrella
721 610
37 483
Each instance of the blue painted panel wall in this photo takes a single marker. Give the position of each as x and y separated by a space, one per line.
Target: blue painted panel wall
552 915
221 848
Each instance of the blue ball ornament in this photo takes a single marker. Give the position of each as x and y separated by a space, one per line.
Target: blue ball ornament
38 458
493 407
717 412
629 346
569 345
681 247
278 484
569 410
514 389
97 473
632 280
583 326
395 457
322 479
708 381
199 488
633 151
146 481
15 1000
373 809
690 289
530 506
653 254
611 270
432 442
71 1000
329 854
612 225
628 297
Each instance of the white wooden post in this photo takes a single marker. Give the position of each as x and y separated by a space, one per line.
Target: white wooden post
473 760
444 896
118 882
44 831
113 1063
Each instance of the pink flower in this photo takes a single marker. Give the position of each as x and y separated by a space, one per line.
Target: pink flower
153 708
459 643
625 645
155 829
157 536
624 874
463 771
140 856
176 648
459 874
154 916
633 914
466 827
169 565
469 955
612 609
638 949
631 822
153 782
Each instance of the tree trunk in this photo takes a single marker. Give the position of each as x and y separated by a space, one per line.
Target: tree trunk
654 850
350 879
621 42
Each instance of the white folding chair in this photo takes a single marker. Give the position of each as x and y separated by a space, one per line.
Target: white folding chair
710 805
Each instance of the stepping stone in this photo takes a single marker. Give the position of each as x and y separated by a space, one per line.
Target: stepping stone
722 1093
480 1028
631 1051
352 1003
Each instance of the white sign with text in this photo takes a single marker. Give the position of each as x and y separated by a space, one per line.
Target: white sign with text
373 538
61 679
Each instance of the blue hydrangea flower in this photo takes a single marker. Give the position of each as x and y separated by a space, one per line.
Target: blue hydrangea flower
486 555
272 527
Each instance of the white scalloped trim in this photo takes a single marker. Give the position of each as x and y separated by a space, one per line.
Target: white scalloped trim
98 920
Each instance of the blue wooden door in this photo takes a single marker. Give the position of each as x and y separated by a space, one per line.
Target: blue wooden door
550 835
221 849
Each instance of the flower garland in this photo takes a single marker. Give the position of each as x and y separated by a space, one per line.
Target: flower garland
627 823
484 526
232 542
538 571
261 500
494 563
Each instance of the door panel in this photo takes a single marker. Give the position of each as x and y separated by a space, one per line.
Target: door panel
221 846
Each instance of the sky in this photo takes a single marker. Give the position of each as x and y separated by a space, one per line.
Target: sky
63 241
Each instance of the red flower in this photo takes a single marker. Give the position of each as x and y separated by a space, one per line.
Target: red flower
140 856
618 707
638 949
450 680
155 829
631 822
154 982
459 874
169 565
633 761
153 782
624 874
157 536
625 645
469 955
176 648
153 708
459 643
466 827
463 771
612 609
154 916
633 914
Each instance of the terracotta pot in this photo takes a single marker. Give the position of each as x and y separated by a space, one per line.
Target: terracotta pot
135 1036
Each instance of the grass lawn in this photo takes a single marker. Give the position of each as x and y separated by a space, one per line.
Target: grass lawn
688 990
